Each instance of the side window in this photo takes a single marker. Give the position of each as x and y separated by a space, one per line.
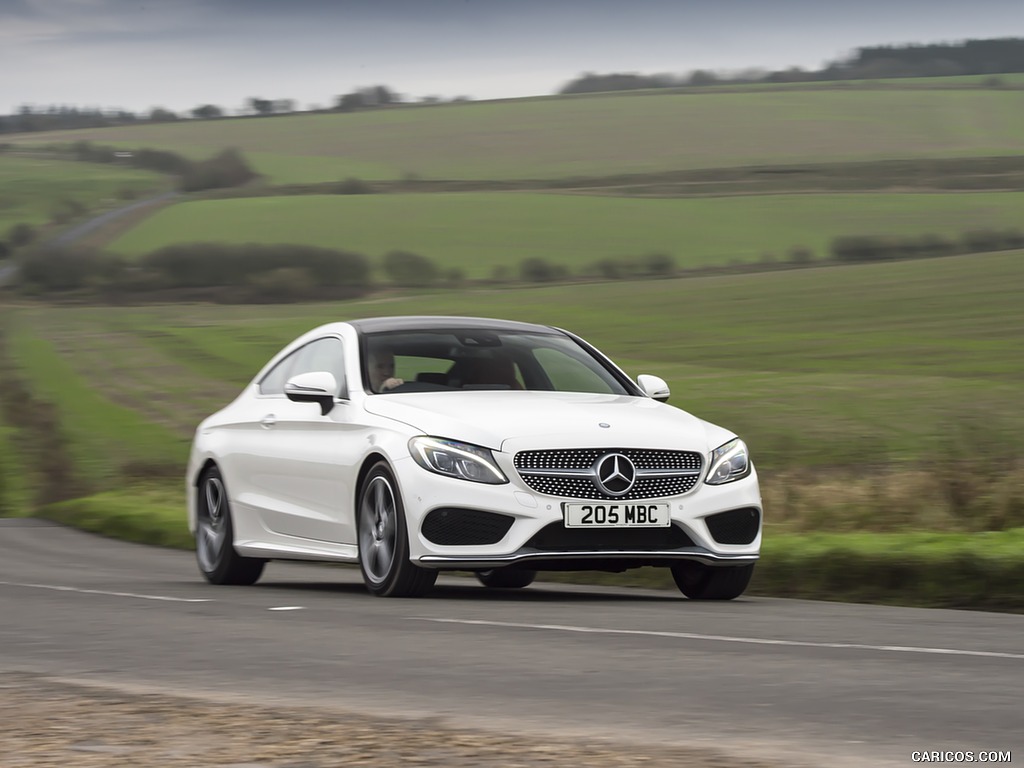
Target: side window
273 382
320 355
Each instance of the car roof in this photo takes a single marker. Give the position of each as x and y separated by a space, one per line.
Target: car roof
444 322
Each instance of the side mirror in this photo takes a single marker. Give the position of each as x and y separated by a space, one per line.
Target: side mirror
315 387
654 387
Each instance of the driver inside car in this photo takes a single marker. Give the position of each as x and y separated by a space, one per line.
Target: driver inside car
382 371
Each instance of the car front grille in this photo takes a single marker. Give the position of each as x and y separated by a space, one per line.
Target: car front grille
557 538
737 526
571 472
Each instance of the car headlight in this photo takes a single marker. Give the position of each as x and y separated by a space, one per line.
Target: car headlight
454 459
729 462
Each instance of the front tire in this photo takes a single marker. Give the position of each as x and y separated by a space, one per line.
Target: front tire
506 578
215 536
711 582
384 542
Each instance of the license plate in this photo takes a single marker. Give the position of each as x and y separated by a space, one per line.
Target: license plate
616 515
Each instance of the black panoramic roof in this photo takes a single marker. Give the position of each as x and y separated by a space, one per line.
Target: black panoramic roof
441 323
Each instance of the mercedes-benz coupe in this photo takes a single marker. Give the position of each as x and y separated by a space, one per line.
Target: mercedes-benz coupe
415 445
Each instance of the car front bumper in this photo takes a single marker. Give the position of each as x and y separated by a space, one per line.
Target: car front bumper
531 512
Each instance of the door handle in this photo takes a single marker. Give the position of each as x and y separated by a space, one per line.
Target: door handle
268 421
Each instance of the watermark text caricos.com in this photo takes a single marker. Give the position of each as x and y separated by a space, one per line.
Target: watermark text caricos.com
960 756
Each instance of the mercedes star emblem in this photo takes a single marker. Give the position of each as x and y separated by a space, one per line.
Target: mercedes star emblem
615 474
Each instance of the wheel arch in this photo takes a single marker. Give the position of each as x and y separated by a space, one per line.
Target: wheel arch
202 471
371 460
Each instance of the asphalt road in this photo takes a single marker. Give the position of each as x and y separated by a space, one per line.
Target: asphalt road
798 681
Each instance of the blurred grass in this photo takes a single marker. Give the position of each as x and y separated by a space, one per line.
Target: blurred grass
817 367
103 435
15 486
145 514
31 189
478 231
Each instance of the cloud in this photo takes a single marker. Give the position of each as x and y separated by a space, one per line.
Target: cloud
179 53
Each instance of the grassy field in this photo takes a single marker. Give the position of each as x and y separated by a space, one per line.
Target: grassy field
31 189
14 485
602 134
882 366
478 231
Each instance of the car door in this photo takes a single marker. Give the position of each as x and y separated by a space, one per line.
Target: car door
303 461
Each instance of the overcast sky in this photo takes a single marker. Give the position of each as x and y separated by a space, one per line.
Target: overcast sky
138 54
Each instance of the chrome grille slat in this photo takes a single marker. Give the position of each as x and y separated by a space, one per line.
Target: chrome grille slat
570 472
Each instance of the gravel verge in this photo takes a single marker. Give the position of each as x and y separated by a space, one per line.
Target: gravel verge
49 722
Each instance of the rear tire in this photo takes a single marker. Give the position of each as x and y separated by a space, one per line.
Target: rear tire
215 536
711 582
506 578
384 541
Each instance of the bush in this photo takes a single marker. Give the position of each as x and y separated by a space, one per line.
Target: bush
454 277
56 270
410 269
657 264
161 161
282 284
228 169
538 270
981 240
353 186
929 246
800 255
21 235
66 210
610 269
205 265
859 248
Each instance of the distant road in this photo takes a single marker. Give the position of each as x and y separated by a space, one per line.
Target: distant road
804 682
79 231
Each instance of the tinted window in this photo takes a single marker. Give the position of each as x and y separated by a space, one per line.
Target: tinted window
273 382
320 355
485 359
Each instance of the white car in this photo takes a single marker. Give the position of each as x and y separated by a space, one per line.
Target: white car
496 447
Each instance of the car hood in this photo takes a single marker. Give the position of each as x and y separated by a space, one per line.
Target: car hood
512 421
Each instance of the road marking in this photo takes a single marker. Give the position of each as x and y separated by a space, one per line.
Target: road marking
729 639
58 588
287 608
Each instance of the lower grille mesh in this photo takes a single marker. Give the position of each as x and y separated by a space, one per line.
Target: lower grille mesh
737 526
459 527
556 537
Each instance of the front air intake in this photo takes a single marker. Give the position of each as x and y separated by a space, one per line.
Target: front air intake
737 526
460 527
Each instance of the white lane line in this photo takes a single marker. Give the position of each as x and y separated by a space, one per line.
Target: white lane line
59 588
287 608
729 639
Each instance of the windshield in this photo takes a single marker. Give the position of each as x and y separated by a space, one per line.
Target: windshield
468 359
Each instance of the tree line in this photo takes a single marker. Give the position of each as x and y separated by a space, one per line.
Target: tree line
971 57
34 119
282 272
